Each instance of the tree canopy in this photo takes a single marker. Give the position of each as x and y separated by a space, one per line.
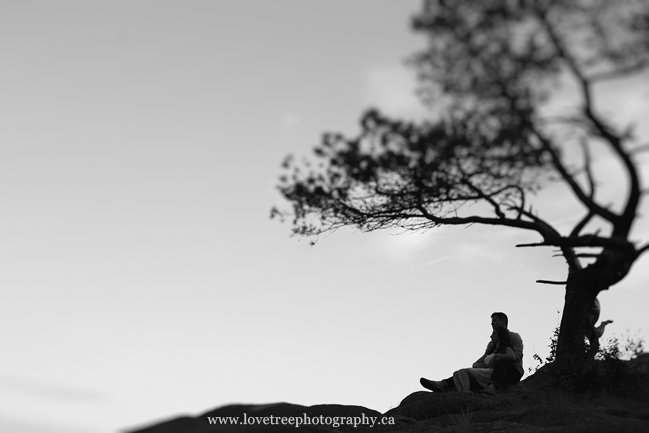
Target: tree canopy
489 74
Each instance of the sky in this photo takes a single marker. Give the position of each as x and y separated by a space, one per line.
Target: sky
141 276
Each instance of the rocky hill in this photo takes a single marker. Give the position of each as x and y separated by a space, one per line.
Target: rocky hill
534 405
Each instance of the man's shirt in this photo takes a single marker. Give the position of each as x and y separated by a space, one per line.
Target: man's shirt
517 346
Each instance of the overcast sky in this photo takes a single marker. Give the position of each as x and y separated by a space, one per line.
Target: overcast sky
141 276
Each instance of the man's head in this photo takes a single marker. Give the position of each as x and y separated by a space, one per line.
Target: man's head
499 320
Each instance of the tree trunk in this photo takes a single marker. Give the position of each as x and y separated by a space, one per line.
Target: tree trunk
575 323
582 288
571 348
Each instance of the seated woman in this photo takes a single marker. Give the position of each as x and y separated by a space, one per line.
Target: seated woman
479 377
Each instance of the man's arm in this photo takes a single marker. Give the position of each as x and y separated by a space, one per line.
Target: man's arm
509 355
517 345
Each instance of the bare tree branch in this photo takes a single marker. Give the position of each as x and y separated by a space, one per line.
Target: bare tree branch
582 241
506 222
621 223
580 226
537 244
570 180
588 255
557 283
487 197
563 53
588 168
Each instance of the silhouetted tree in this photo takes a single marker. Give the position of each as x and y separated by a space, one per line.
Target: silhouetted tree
489 71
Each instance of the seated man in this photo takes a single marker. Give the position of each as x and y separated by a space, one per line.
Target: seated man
506 371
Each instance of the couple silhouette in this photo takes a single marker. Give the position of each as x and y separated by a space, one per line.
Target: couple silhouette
501 364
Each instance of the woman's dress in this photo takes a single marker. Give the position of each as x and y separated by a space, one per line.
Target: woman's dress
481 375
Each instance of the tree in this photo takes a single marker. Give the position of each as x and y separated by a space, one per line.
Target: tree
488 73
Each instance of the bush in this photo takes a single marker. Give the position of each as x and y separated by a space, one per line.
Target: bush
613 348
607 373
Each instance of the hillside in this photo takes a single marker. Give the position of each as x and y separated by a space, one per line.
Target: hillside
534 405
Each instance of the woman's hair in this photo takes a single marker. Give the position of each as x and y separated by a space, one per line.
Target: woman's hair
503 340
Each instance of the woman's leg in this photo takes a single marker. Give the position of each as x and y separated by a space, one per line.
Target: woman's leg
457 382
462 381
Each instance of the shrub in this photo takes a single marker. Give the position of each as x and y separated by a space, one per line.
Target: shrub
607 373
